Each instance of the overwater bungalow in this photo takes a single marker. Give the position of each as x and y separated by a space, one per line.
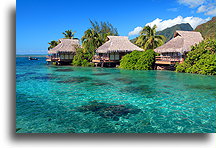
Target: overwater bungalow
112 51
64 52
176 49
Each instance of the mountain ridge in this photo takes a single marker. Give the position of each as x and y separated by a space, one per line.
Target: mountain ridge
169 32
208 29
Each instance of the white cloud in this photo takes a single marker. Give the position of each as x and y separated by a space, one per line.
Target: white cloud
201 9
163 24
208 7
211 12
136 31
192 3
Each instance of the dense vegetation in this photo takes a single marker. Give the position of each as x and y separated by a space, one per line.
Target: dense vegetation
80 59
208 29
201 59
148 38
138 60
168 32
68 34
94 37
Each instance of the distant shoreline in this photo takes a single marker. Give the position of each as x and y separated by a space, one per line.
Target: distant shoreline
30 55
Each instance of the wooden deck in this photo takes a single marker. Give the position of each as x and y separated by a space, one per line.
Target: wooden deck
167 60
105 61
52 60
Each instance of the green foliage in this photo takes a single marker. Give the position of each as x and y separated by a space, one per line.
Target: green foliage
104 28
138 60
52 44
148 38
81 58
69 34
168 32
96 36
201 59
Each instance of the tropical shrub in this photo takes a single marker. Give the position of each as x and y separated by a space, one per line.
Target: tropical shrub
201 59
81 58
138 60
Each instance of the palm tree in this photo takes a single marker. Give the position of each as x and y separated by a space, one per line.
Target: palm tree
91 37
148 38
52 44
69 34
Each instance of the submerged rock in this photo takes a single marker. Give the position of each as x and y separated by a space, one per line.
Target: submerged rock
107 110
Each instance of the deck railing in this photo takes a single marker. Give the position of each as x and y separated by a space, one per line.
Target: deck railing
168 58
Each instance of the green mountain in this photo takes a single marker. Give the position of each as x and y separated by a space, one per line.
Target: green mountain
208 29
168 32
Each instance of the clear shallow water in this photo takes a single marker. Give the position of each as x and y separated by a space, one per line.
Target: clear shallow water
64 99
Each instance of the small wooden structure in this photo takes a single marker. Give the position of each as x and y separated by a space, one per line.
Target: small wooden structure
176 49
64 52
111 52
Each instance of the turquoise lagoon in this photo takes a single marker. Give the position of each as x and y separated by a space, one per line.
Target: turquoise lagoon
65 99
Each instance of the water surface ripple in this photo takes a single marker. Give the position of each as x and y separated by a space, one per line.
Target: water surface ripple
65 99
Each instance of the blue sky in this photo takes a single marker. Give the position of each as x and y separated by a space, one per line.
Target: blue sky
40 21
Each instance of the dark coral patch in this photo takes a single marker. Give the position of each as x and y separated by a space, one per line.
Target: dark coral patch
101 74
98 84
125 80
30 73
110 111
64 70
75 80
137 89
43 78
202 87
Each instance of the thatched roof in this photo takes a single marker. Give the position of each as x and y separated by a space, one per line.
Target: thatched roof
65 45
182 42
117 44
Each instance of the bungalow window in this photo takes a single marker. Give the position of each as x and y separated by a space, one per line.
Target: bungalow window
71 56
66 56
116 56
112 56
62 56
